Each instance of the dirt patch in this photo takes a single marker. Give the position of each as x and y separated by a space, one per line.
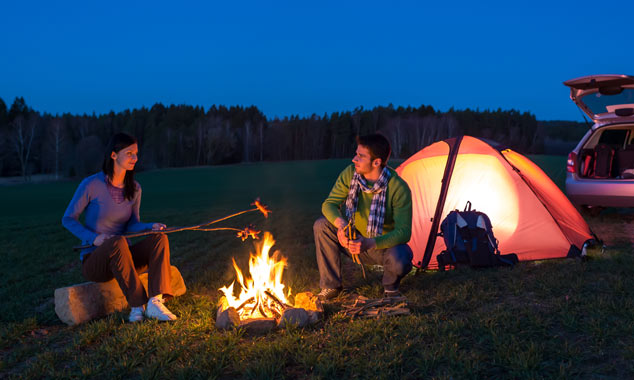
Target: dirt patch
614 229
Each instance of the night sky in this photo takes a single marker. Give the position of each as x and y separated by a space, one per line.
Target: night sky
302 58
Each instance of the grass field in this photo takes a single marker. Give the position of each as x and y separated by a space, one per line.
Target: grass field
552 319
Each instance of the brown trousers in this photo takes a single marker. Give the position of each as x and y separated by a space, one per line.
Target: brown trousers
116 259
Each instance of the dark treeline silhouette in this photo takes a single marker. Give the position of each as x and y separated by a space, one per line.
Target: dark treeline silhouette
180 135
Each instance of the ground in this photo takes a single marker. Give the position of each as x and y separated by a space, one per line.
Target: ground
566 318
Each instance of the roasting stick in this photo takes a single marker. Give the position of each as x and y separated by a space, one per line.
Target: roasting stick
352 234
200 227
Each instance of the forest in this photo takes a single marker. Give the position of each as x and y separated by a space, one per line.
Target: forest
33 142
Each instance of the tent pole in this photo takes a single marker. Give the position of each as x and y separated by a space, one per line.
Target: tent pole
454 145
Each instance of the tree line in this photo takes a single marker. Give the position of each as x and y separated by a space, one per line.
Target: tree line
69 145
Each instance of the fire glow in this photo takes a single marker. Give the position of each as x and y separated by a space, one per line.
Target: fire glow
262 295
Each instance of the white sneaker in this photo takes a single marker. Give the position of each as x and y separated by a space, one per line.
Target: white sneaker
155 309
136 314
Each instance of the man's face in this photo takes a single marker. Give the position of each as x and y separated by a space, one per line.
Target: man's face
363 160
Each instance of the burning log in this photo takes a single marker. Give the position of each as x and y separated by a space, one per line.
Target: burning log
256 306
262 297
261 310
245 303
277 301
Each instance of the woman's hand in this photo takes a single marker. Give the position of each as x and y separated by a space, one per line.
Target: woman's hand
158 227
100 239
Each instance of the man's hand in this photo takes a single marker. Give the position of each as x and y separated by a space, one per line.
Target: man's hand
341 224
343 239
100 239
361 245
158 227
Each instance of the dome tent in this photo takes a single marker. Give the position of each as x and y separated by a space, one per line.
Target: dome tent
531 217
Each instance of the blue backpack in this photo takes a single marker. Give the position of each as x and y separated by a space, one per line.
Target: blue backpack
469 239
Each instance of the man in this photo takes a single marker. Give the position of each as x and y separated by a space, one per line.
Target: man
378 203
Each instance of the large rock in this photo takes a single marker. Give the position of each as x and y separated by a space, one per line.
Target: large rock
295 316
258 326
313 306
89 300
227 319
314 316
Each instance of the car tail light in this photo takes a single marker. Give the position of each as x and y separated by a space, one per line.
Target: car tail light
571 165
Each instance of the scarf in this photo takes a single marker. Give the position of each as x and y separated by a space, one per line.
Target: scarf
377 208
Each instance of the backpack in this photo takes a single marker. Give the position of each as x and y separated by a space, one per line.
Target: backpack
603 157
469 239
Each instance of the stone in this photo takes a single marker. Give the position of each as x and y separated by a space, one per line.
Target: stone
294 316
258 326
89 300
314 316
227 319
308 301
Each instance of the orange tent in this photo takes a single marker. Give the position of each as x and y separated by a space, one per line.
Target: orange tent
531 217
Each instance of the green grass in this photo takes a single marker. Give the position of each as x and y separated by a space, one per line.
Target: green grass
551 319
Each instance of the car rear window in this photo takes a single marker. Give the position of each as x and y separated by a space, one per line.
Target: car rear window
598 103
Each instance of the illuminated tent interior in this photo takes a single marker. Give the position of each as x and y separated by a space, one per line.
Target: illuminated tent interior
531 217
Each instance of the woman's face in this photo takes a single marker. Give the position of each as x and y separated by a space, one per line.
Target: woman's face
126 158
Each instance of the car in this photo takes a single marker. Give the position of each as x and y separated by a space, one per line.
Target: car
600 169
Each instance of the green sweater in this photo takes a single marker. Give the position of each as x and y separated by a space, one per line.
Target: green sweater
397 225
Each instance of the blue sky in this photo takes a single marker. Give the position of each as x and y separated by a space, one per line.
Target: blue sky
310 57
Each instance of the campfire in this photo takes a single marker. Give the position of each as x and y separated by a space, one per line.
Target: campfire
262 295
263 301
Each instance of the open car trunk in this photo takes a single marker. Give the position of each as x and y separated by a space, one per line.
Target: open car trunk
608 153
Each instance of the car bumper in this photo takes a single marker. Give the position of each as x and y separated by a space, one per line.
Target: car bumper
600 192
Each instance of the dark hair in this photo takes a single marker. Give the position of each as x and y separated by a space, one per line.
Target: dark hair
118 142
378 146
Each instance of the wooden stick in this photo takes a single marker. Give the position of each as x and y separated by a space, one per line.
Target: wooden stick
257 304
179 229
276 300
275 312
216 229
244 303
262 311
352 235
166 231
363 307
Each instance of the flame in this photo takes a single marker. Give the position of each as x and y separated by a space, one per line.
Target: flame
262 295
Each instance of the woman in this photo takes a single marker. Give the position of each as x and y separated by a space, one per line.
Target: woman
111 202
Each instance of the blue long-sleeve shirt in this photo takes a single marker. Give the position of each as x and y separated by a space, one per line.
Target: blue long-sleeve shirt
102 214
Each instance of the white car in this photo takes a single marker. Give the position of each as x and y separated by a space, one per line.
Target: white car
600 170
